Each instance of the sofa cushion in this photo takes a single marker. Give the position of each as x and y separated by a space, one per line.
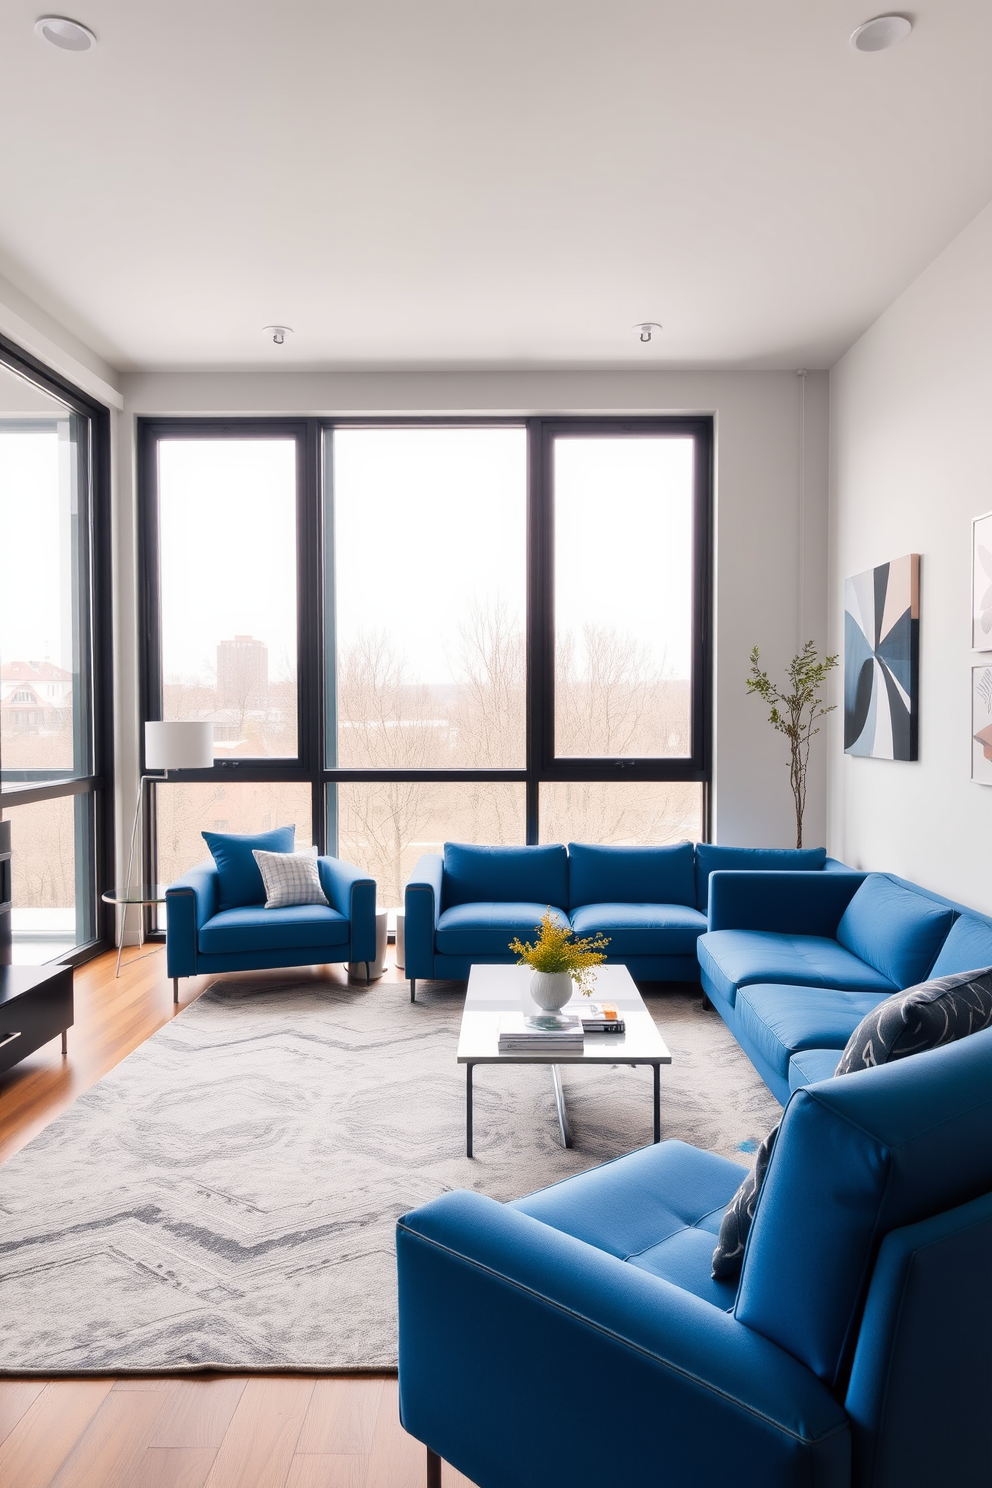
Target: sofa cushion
238 879
531 875
811 1065
252 928
486 929
710 857
924 1017
968 945
658 1208
642 929
894 930
730 959
779 1021
630 875
856 1158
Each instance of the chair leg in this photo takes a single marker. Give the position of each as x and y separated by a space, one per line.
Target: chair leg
413 989
175 989
433 1469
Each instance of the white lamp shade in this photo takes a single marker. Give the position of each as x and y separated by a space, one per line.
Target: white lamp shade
179 746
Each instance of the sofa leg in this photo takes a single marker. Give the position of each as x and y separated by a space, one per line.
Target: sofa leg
175 989
433 1469
413 989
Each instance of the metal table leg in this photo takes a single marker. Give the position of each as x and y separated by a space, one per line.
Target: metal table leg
566 1135
657 1102
468 1110
120 943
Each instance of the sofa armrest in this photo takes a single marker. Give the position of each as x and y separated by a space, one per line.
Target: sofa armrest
422 904
352 893
501 1315
189 903
790 903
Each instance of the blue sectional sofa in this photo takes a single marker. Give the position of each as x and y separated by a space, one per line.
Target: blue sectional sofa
793 961
577 1337
465 906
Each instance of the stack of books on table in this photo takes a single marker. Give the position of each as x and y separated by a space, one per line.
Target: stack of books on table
598 1017
547 1033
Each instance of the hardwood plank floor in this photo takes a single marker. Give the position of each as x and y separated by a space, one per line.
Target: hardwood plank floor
216 1431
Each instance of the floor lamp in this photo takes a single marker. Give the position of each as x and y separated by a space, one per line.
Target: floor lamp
168 746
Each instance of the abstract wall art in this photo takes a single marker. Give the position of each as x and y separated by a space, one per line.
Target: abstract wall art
981 724
981 583
882 660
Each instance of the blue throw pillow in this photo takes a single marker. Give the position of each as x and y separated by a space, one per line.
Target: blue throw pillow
896 931
630 875
710 857
239 881
536 875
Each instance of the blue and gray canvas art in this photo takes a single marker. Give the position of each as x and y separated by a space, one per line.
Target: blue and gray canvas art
881 660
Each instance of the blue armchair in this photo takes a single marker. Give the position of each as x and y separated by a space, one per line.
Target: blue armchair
577 1336
200 938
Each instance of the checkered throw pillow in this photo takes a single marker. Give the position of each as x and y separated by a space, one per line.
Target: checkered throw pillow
290 878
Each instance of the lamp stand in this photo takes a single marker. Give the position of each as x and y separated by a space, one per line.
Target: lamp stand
130 864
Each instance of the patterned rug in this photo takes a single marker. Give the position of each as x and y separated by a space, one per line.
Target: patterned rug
226 1197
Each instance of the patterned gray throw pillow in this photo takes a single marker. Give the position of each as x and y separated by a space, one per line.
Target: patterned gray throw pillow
290 878
922 1017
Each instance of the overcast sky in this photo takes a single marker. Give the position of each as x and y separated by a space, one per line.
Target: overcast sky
427 523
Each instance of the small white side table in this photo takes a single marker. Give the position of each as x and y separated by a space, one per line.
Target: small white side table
371 971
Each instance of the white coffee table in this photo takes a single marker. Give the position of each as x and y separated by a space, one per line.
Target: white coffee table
494 991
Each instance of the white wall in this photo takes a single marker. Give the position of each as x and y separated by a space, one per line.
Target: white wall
759 582
911 465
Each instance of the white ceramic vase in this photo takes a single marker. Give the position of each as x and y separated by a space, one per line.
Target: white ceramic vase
550 989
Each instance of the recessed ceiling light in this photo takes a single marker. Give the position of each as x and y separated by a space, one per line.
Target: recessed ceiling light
884 31
71 36
277 334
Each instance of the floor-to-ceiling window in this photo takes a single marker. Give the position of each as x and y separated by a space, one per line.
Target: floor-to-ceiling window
406 632
54 663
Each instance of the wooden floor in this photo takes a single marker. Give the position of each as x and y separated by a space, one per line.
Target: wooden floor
218 1431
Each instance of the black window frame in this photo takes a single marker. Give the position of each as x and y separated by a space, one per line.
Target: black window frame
94 871
314 499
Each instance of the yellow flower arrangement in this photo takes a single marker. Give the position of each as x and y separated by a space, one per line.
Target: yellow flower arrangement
556 949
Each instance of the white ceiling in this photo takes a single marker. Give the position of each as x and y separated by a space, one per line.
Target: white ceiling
485 183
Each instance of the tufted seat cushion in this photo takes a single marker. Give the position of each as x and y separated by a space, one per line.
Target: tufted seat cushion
659 1209
781 1021
486 928
235 931
732 958
811 1065
642 929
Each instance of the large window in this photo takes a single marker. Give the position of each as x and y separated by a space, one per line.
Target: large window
54 604
411 632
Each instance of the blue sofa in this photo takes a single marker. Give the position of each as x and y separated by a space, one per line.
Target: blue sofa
202 938
793 961
576 1337
464 906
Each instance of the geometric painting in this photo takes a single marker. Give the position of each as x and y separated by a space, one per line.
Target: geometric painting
981 583
882 660
981 724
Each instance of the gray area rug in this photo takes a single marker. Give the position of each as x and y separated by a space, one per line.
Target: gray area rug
226 1197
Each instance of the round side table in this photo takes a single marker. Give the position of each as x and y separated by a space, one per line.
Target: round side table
123 898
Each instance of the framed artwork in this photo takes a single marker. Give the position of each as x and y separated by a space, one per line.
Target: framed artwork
981 724
882 660
981 583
